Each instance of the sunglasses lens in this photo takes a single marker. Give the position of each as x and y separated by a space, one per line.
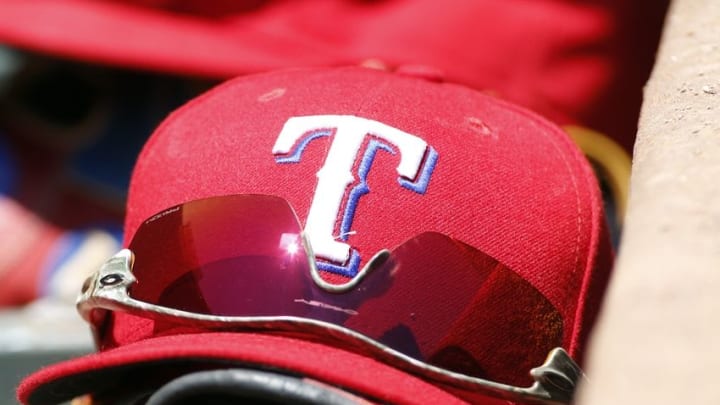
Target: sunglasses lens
434 299
446 303
220 256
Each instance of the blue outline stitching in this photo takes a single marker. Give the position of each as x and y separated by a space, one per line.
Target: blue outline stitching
294 156
421 184
349 270
353 267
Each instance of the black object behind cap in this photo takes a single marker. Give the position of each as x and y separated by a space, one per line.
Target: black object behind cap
238 386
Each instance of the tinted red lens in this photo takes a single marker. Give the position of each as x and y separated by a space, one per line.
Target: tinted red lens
435 299
221 256
442 301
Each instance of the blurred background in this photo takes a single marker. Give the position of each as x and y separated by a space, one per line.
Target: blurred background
83 83
69 135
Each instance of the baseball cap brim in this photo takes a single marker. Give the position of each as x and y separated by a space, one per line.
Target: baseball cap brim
356 373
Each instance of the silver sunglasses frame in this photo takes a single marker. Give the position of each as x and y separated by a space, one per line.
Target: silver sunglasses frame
554 381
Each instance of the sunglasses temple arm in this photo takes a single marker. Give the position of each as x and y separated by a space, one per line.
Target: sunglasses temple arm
557 378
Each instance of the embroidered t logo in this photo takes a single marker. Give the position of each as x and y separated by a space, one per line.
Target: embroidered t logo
417 161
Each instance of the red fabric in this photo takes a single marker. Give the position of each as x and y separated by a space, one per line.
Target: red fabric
27 241
572 61
340 368
522 192
506 182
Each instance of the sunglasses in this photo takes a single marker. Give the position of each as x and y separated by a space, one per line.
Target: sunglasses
242 262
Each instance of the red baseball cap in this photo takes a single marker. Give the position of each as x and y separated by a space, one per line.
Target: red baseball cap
369 160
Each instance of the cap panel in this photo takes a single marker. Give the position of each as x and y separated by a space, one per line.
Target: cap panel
504 181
